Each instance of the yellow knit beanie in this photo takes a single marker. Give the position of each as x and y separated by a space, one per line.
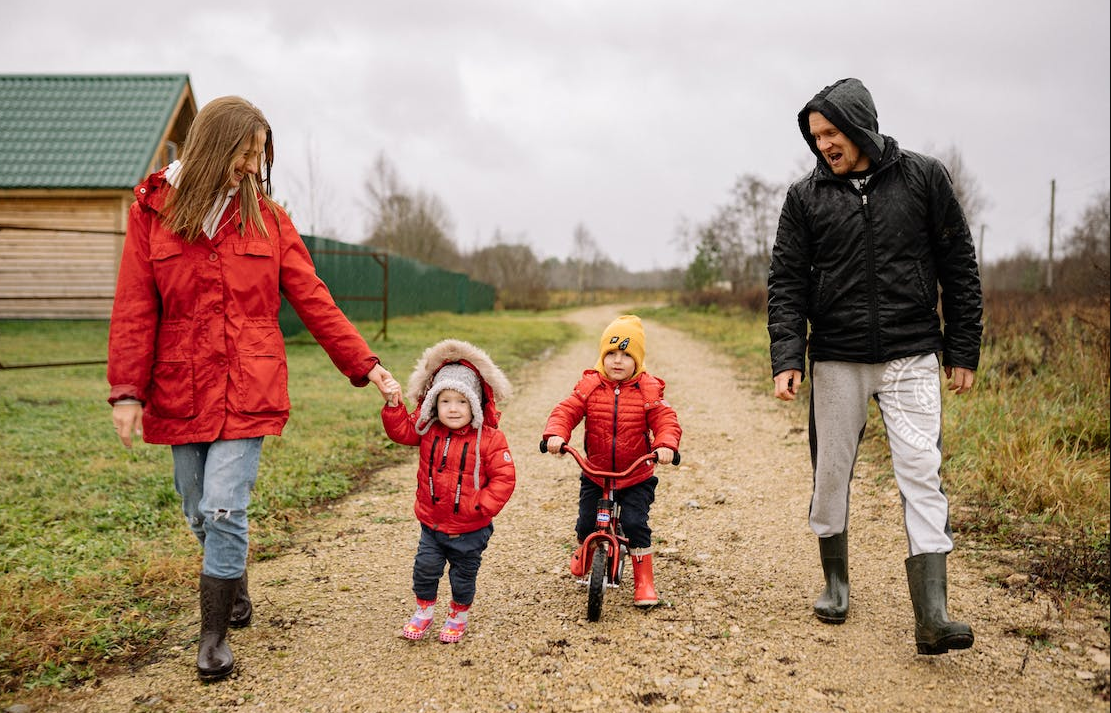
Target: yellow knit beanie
627 333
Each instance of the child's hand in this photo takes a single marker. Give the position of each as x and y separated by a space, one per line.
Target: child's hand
664 456
555 444
393 398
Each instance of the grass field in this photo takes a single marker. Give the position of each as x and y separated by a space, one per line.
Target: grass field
93 550
1026 453
95 557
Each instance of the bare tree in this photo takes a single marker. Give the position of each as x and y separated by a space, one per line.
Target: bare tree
514 270
316 199
413 224
967 188
1085 267
734 245
586 254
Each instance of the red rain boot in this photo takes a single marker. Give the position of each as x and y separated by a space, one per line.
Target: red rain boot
580 561
644 594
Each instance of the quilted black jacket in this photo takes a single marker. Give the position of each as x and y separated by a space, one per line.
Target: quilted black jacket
866 268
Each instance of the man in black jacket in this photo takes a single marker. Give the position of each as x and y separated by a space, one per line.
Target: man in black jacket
867 242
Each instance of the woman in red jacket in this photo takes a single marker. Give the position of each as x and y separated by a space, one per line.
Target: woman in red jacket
196 359
626 418
465 477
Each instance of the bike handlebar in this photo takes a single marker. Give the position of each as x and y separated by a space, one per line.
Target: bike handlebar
591 470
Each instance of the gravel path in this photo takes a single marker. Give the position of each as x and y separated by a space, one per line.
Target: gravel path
736 566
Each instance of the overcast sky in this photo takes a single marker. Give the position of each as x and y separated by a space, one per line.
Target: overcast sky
626 116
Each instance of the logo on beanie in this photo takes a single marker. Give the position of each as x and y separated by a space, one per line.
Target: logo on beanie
624 345
613 340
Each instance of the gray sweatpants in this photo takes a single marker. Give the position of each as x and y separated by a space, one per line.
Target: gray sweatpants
908 392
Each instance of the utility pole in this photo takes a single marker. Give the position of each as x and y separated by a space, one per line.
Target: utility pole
1052 202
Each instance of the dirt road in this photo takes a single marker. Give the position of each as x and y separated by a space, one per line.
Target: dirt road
736 566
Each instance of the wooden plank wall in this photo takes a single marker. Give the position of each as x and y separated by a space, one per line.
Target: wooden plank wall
59 254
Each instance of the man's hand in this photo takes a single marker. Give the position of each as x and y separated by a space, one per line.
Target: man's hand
960 379
128 420
787 384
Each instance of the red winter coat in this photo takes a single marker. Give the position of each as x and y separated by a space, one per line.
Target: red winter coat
447 499
623 422
194 332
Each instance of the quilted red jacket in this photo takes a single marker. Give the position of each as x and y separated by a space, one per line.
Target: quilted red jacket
194 332
623 421
448 499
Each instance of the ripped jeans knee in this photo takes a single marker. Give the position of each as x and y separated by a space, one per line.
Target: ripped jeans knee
215 481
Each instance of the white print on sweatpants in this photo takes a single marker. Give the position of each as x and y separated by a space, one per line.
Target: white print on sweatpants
908 392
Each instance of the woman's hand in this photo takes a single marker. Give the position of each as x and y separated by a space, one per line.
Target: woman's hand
387 385
128 420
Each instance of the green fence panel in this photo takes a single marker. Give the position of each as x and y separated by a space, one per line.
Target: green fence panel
355 275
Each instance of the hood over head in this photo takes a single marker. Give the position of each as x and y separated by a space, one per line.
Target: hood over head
848 105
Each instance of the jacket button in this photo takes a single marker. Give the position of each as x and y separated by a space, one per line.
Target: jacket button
212 257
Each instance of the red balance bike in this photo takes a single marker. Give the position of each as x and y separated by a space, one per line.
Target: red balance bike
607 546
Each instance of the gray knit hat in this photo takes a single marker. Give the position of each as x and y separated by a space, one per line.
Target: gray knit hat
457 377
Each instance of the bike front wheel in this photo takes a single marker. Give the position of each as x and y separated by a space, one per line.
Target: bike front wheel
599 571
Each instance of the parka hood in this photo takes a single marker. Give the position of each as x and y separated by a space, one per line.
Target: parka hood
848 105
495 385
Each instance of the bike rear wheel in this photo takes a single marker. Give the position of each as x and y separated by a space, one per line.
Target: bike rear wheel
599 570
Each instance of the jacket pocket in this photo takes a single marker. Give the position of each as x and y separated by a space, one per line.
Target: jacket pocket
263 375
926 288
817 292
253 245
164 249
172 387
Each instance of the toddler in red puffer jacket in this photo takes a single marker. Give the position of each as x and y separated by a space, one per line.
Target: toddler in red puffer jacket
465 477
626 417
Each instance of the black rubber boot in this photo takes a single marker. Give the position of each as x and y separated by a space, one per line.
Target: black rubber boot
241 607
833 605
933 632
214 657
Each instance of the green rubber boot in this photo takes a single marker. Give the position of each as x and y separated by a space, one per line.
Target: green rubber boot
832 605
933 632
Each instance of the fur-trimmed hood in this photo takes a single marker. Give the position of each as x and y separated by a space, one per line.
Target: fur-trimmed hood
495 385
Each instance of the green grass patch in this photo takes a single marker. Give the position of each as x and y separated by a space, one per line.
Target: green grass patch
1026 453
95 556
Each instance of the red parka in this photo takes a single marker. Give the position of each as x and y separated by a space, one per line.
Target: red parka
447 499
623 422
194 332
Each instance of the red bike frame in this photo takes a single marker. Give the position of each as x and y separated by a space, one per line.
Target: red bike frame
606 520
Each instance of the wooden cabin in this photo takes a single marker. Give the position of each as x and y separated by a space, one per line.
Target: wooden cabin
72 148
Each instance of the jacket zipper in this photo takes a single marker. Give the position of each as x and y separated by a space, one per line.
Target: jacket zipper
870 252
613 441
459 482
443 457
432 467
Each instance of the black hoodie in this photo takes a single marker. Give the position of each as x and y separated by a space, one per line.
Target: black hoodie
864 267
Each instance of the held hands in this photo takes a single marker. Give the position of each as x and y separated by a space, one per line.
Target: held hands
387 385
960 379
128 420
787 384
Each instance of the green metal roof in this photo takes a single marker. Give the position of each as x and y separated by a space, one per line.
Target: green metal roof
82 131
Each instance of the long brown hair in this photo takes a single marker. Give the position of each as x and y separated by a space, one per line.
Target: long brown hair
210 151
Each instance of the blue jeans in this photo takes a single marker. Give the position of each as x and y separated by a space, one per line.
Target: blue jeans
214 481
635 501
463 552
